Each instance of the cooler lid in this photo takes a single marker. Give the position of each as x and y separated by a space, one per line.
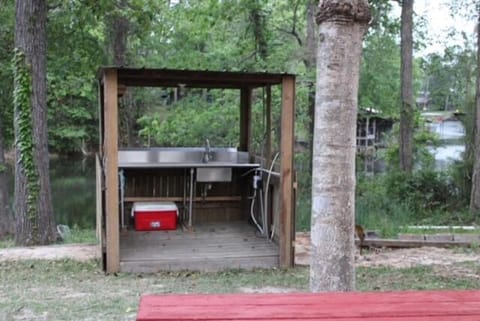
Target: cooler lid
154 206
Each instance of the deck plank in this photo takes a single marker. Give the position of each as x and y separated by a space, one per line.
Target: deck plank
210 247
394 306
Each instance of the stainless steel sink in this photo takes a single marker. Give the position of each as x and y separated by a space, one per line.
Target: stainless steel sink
183 157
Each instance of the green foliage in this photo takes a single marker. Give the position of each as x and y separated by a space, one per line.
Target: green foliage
72 89
24 131
388 201
422 140
380 73
79 235
7 15
190 121
304 195
450 77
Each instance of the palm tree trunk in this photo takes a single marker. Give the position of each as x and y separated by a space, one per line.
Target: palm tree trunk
342 25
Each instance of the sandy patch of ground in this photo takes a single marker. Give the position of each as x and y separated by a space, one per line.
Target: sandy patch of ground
266 289
78 252
399 258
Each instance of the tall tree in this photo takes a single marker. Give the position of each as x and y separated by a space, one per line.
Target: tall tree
257 21
475 195
310 62
7 225
35 221
342 25
407 104
6 218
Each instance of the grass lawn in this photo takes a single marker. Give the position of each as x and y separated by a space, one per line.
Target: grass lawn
69 290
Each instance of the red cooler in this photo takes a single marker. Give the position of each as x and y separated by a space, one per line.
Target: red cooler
155 216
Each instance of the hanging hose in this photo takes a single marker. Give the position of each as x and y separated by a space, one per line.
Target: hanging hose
257 184
252 214
266 193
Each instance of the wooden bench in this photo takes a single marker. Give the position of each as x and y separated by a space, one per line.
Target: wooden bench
375 306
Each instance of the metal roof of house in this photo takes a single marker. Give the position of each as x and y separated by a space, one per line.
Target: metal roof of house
151 77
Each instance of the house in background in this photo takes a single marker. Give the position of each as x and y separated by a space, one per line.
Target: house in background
371 129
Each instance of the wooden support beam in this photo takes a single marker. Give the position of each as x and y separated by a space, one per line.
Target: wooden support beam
287 210
110 146
268 127
245 118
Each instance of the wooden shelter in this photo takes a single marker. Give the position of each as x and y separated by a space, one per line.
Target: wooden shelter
223 238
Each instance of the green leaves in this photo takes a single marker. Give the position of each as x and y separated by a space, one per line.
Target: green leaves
190 121
24 130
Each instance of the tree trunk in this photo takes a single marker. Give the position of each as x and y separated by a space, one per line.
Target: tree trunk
257 20
342 25
35 221
407 107
310 63
475 194
6 218
119 26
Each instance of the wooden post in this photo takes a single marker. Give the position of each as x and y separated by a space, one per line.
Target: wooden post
268 128
287 217
110 146
245 118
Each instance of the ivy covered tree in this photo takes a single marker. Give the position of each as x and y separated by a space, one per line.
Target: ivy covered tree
35 220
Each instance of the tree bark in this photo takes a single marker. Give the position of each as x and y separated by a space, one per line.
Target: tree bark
119 26
7 226
35 223
257 20
407 107
310 61
342 25
475 194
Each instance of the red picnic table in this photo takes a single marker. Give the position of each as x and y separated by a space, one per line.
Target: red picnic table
349 306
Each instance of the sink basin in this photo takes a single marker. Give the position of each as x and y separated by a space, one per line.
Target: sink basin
182 157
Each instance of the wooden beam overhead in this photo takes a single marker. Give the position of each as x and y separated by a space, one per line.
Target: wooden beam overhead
142 77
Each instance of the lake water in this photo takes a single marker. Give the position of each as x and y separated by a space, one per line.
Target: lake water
451 133
73 190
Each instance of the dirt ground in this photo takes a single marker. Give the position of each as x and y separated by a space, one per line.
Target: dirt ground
78 252
399 258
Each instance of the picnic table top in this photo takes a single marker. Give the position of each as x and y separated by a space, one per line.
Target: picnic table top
348 306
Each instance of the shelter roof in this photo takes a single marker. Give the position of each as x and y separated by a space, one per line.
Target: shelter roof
151 77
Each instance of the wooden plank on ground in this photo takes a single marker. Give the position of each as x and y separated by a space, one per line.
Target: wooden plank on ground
392 243
393 306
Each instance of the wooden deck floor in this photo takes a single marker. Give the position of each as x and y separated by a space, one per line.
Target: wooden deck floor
352 306
210 247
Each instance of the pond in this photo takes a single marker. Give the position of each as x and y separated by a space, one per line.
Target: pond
73 190
451 134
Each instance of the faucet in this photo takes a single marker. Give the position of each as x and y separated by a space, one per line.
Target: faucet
207 156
